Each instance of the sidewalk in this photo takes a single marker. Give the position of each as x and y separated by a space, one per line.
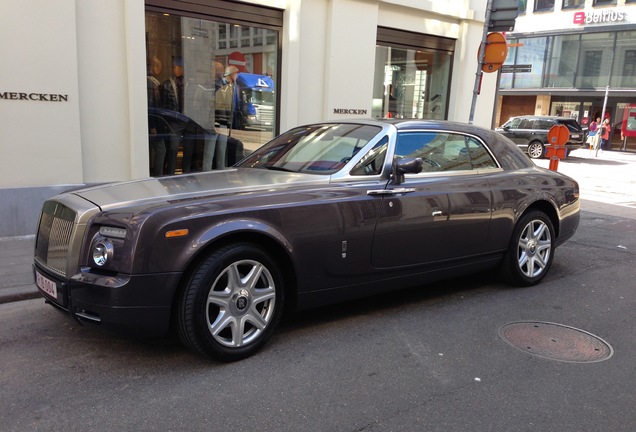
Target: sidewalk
16 276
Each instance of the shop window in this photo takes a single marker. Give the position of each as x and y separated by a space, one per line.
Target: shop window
591 68
543 5
566 109
412 75
572 4
563 58
624 68
532 51
595 63
604 2
211 91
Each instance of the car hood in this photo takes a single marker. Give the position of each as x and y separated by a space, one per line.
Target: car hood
199 185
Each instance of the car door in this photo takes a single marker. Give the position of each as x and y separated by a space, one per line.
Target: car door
524 133
441 214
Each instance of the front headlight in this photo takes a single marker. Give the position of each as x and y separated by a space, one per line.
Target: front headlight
103 251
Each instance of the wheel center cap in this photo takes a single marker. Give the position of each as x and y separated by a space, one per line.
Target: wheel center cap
241 300
532 247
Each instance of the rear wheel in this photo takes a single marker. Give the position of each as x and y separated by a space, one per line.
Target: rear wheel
535 149
531 250
232 303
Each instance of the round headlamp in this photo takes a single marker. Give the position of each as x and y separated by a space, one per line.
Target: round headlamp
102 252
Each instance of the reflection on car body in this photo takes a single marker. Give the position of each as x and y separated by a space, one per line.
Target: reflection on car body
322 213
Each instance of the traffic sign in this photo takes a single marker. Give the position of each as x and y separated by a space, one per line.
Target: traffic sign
516 68
558 135
495 52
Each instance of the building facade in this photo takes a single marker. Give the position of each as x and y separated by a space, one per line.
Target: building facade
95 92
576 58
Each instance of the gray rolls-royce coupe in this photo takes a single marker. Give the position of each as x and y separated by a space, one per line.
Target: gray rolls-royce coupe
323 213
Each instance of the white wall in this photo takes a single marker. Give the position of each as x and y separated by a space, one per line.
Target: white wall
39 141
93 52
112 78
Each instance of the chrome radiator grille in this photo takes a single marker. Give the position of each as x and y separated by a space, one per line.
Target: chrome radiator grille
54 236
265 115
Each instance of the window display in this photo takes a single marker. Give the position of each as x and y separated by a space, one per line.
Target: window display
411 82
211 92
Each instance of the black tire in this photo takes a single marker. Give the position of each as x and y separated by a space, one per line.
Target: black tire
531 250
536 150
232 303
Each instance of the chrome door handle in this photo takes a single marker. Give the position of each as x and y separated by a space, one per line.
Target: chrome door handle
395 191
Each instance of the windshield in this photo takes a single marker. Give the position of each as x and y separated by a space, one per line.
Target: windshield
258 97
318 149
572 125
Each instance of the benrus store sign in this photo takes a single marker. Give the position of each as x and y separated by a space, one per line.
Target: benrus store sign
42 97
605 16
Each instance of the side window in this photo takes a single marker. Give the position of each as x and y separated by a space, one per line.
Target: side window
444 151
513 123
479 156
525 124
372 162
544 124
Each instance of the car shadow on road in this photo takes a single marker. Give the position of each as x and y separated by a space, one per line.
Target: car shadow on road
430 294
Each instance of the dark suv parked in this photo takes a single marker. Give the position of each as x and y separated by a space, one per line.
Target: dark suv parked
530 133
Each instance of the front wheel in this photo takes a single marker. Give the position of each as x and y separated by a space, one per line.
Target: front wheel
535 150
231 303
531 250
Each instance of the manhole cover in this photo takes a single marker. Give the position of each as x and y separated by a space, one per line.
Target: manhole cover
556 342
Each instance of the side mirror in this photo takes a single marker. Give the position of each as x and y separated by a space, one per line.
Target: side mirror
403 166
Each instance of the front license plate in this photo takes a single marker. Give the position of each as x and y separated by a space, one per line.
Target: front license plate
576 136
46 285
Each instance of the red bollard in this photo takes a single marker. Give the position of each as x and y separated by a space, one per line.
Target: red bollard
557 136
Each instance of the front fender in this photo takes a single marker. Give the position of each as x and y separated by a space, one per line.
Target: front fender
176 253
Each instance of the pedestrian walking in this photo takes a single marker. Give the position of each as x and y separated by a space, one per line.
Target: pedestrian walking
605 134
592 137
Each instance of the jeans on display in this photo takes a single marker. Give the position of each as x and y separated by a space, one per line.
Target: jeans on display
209 149
158 154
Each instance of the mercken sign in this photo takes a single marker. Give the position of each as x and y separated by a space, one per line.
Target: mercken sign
349 111
39 97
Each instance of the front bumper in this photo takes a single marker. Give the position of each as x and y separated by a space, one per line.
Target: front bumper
137 305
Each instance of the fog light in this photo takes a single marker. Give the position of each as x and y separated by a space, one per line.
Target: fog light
102 252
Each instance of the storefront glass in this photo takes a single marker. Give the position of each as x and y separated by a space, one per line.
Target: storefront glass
563 60
566 109
624 69
532 52
211 92
411 83
583 61
595 60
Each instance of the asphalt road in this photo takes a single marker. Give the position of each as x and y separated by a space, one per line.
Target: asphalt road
426 359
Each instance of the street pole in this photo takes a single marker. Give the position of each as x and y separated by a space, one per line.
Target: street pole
604 104
479 74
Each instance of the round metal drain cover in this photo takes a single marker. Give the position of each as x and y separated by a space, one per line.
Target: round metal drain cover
556 342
